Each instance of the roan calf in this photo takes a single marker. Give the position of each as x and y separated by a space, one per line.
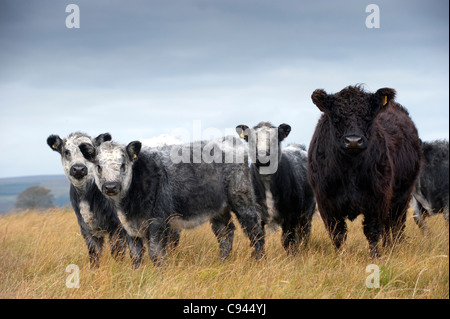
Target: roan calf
432 186
156 196
95 214
284 193
364 158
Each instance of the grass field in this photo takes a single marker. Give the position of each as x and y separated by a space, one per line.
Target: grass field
36 248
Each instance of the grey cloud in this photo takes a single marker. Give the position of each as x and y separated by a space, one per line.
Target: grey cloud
142 68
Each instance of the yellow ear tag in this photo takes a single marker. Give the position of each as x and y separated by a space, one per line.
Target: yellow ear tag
134 156
242 134
54 146
385 100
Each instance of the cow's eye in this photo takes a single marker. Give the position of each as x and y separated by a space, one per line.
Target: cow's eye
67 153
122 167
336 119
99 169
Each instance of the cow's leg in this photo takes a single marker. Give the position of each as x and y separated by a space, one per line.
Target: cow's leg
136 247
305 223
292 232
251 224
372 227
289 237
387 233
398 218
223 227
173 237
304 228
95 247
118 243
158 240
419 216
241 201
337 228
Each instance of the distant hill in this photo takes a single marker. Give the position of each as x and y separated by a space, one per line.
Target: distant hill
11 187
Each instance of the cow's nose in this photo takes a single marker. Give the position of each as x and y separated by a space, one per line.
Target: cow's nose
78 171
111 188
353 142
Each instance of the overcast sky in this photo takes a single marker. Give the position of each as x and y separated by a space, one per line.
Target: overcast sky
139 69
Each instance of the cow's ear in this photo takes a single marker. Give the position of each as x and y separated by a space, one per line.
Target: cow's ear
133 150
242 131
321 100
383 96
55 143
105 137
88 151
283 131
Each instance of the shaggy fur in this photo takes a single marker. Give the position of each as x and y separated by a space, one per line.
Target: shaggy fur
364 158
95 214
432 187
285 196
163 197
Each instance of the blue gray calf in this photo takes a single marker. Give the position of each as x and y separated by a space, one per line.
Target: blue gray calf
95 214
159 191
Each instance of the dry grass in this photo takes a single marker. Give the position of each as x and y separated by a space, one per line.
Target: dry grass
36 248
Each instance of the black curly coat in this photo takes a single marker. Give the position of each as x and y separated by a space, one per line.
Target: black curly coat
364 158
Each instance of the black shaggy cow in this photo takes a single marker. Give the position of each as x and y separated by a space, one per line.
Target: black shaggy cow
157 194
364 158
95 214
284 195
432 186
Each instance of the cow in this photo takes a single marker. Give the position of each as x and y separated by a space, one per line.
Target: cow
364 158
95 214
432 189
157 194
284 194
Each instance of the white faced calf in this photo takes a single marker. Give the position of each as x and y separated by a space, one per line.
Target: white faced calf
156 198
96 215
282 191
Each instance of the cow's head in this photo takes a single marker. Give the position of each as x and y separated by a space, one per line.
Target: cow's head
113 165
75 166
351 113
264 144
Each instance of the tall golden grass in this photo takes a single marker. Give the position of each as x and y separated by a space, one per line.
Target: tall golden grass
36 247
